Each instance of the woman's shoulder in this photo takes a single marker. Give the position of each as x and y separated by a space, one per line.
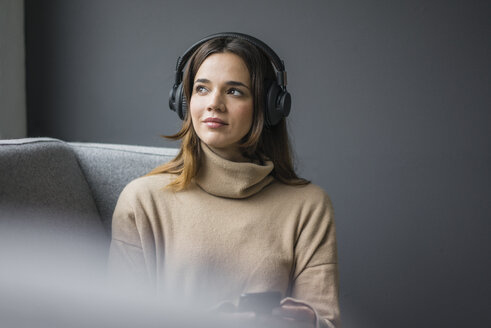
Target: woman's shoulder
309 192
309 201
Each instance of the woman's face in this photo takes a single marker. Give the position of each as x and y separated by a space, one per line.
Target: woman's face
221 104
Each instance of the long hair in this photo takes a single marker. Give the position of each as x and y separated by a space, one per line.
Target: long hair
261 143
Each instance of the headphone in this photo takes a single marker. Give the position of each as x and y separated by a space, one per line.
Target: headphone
278 100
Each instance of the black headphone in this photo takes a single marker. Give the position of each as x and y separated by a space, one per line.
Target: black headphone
278 100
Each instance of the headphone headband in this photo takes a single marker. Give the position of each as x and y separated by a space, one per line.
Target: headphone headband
273 57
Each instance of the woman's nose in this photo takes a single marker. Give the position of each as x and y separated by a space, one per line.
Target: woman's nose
215 101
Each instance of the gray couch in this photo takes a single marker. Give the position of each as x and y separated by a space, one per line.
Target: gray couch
67 188
56 203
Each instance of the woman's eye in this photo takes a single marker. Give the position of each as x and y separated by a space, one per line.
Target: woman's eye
200 89
235 92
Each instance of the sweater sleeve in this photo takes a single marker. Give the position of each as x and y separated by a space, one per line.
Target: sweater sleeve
315 280
131 254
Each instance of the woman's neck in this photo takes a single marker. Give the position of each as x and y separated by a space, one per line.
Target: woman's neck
232 154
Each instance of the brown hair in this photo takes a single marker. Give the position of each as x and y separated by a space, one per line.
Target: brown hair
261 143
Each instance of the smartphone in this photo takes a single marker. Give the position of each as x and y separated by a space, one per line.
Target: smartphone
261 303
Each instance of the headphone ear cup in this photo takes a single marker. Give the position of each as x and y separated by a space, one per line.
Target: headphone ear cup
180 104
177 101
172 98
285 102
278 104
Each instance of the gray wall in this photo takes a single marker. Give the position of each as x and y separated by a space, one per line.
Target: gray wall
12 70
391 115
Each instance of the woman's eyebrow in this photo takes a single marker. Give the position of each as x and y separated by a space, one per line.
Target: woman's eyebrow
233 83
236 83
202 81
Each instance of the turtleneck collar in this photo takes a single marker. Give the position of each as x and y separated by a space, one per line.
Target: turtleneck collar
224 178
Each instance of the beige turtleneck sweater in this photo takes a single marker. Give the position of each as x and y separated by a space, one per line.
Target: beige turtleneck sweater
234 230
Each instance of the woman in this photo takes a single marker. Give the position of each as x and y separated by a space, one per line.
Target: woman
229 215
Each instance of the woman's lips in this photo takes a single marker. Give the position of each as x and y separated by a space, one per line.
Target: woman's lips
213 122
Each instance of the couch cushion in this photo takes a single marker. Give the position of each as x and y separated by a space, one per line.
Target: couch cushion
44 192
109 168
